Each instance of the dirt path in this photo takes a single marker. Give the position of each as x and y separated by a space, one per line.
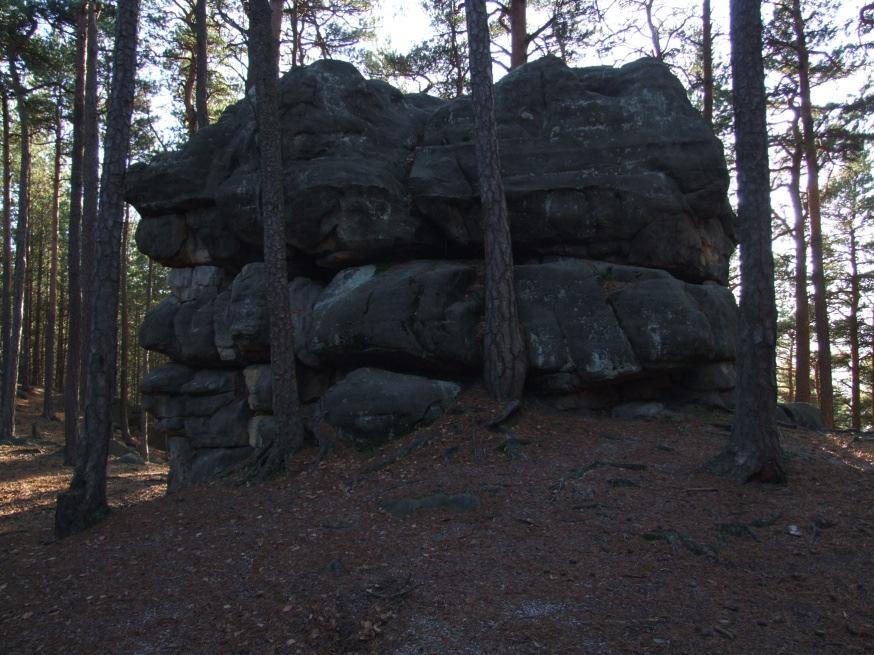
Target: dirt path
558 534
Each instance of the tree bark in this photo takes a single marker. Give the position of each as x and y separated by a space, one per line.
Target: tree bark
48 409
518 33
74 282
124 369
24 347
506 361
201 41
802 301
59 343
10 368
707 60
754 451
855 366
37 334
7 226
85 501
820 307
286 403
90 168
144 416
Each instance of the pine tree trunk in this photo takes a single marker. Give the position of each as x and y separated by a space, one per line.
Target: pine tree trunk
26 330
124 369
820 306
85 501
37 340
90 179
51 318
518 33
753 452
144 417
201 37
707 60
59 344
286 403
188 99
10 368
6 310
506 360
855 366
802 302
74 281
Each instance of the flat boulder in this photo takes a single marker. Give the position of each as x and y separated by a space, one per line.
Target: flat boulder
370 406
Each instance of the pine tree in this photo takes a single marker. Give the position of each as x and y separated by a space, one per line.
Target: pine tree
753 451
85 501
506 360
288 433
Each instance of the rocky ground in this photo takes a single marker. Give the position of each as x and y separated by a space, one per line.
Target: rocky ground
556 533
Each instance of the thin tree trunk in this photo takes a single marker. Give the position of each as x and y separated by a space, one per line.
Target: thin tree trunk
188 100
707 60
37 334
506 361
791 371
59 344
27 327
855 366
7 226
144 416
263 46
802 301
518 33
201 40
820 306
124 369
753 452
51 318
90 180
654 36
75 339
85 501
10 368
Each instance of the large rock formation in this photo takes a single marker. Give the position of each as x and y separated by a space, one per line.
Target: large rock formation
617 196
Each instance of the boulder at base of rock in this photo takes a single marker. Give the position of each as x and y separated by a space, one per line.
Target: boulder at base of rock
371 405
802 415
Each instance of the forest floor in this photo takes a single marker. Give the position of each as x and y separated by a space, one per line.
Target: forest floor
557 533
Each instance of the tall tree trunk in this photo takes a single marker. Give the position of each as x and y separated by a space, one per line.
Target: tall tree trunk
753 452
74 280
10 368
802 302
820 306
654 36
59 344
90 178
144 416
36 357
201 40
506 360
518 33
27 327
855 366
286 402
124 369
707 60
188 100
85 501
48 409
7 226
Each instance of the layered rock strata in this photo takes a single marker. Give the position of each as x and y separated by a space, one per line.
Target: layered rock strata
617 197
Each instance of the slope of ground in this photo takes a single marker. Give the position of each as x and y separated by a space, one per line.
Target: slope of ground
555 534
